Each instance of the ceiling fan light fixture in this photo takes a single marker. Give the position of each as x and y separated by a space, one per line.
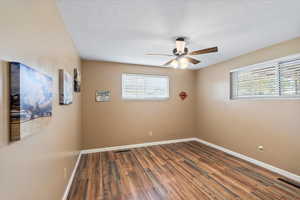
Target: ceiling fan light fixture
182 55
174 64
183 63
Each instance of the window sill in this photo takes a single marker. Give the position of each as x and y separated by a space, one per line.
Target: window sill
292 98
147 99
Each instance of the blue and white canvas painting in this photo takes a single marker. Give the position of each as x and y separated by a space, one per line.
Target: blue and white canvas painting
30 96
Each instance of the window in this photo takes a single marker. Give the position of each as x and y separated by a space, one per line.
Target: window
290 78
254 82
145 87
270 79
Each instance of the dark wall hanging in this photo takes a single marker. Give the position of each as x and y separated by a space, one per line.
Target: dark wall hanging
77 80
183 95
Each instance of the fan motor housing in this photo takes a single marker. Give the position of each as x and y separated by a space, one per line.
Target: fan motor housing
176 53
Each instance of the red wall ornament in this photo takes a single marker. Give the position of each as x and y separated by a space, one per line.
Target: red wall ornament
183 95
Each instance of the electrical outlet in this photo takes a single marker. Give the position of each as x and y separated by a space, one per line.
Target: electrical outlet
150 133
260 148
65 173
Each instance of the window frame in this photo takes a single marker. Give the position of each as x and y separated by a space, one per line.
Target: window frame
276 63
146 99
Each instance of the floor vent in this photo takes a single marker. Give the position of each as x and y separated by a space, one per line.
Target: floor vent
123 151
296 185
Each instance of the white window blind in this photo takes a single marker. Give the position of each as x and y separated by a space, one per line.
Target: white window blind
255 82
270 79
290 78
145 87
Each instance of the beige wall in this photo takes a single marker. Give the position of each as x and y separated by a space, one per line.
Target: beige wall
243 125
32 32
122 122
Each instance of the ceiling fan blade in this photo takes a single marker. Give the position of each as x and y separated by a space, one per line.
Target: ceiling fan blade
204 51
192 60
158 54
168 63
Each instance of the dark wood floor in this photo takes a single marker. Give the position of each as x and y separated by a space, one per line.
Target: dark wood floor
187 170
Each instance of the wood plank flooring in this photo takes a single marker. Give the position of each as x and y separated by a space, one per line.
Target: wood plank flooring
187 170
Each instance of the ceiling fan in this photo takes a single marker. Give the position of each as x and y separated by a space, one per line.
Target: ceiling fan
182 54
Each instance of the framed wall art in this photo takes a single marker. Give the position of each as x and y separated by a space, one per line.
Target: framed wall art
65 88
77 80
102 95
30 97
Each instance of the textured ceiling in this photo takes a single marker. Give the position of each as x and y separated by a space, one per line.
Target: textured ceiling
124 31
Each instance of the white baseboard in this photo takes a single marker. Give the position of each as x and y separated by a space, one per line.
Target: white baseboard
65 196
251 160
136 145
